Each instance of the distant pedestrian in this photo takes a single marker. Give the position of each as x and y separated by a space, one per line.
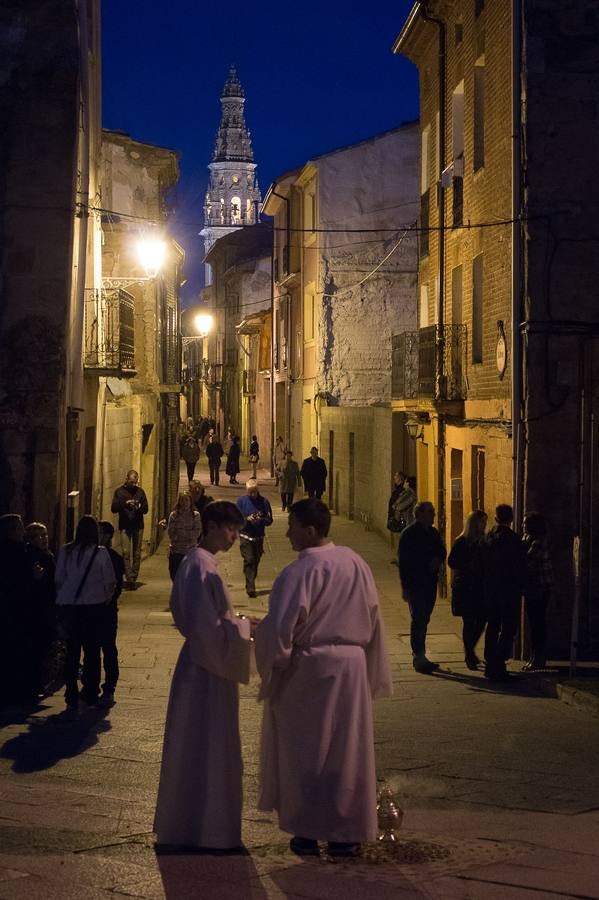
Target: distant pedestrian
200 792
505 580
42 569
406 501
467 561
85 583
421 555
131 504
232 468
539 587
314 474
184 529
110 655
199 497
278 457
254 454
322 659
214 452
395 523
228 440
289 480
190 451
257 515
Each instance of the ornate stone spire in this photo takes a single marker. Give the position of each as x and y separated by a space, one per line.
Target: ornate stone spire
233 195
233 140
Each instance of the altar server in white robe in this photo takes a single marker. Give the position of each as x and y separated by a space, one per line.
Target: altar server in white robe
321 655
200 792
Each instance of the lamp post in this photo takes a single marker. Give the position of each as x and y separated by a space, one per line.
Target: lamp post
192 346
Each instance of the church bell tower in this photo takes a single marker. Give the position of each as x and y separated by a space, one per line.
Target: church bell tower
233 194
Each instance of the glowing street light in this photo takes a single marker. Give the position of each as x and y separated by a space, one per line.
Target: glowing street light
203 323
151 253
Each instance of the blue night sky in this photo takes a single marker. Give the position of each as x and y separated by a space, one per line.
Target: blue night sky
315 78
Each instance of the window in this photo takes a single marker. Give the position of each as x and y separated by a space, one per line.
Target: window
479 114
457 121
458 33
479 5
425 158
423 311
456 295
477 309
309 305
424 223
235 210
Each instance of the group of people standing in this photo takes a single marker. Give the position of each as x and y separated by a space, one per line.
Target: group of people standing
289 476
491 571
215 450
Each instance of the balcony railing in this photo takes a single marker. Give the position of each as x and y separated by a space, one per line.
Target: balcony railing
430 363
404 367
249 382
109 331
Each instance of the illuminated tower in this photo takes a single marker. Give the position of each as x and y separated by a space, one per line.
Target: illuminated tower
233 194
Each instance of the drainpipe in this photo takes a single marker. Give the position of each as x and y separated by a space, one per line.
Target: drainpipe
440 348
287 320
517 373
272 357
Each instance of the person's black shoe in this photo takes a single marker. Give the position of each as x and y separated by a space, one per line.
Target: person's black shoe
472 661
343 849
251 593
304 846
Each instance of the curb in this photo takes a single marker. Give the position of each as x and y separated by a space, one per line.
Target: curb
582 700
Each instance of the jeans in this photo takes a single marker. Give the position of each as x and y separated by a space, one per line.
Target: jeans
174 561
421 605
502 625
536 611
131 551
110 654
287 500
251 553
84 630
472 629
214 471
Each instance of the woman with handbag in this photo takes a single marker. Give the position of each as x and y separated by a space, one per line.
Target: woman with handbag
85 583
254 454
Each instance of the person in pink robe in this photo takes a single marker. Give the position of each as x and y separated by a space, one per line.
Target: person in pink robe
200 791
321 655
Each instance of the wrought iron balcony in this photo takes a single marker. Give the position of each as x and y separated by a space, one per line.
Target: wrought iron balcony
109 344
404 366
430 363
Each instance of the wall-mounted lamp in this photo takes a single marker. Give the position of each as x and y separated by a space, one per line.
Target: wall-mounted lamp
415 429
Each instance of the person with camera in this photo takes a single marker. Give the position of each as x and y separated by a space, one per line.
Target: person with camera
131 504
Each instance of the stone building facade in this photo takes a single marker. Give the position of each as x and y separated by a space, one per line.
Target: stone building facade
233 194
499 378
345 282
237 376
50 249
137 377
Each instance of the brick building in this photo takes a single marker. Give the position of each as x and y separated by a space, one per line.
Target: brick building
339 295
499 379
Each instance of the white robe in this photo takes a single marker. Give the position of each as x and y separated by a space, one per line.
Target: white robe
321 654
200 792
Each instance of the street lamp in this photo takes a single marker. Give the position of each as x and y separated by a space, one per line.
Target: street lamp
151 253
203 323
414 428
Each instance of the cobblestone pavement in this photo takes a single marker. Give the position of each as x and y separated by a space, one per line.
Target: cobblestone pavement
499 788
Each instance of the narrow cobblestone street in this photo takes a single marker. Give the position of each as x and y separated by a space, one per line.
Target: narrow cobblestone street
499 788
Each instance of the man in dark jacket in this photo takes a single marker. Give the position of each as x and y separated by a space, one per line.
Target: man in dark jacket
421 555
131 504
257 513
214 452
504 582
314 474
110 618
